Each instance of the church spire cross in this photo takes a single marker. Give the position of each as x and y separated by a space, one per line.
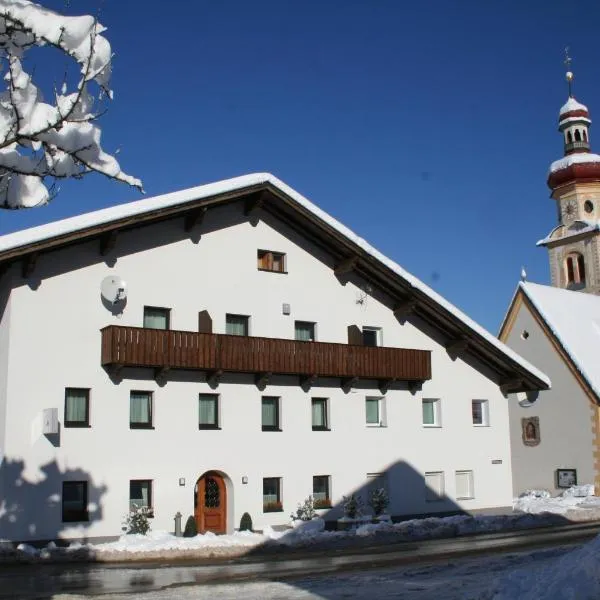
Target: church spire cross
569 75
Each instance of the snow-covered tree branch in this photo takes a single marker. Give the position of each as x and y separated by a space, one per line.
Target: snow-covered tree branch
42 142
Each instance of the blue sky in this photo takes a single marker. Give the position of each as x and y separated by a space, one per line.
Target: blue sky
426 127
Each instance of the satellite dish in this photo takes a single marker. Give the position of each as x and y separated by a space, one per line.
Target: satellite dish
113 289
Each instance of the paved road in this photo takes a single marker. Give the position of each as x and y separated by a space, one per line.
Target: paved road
147 581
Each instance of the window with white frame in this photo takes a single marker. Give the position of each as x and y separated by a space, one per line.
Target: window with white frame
208 411
271 420
371 336
375 411
465 489
320 414
434 486
480 412
431 412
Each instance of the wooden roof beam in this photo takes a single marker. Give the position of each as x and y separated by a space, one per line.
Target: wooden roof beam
254 203
405 308
508 385
194 218
458 346
346 266
28 265
108 241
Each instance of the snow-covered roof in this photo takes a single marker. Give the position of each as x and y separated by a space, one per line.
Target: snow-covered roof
572 104
572 159
576 228
574 319
59 229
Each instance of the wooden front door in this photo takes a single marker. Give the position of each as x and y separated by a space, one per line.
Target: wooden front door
211 504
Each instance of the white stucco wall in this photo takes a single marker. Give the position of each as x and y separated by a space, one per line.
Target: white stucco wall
564 413
55 343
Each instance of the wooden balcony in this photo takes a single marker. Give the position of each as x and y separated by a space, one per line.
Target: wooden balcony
217 353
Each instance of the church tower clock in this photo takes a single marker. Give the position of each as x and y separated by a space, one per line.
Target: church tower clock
574 180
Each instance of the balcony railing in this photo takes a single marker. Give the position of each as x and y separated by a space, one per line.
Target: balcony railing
160 349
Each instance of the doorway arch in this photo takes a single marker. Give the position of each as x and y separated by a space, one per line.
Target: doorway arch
211 502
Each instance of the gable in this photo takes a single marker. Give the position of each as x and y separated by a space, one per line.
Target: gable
262 194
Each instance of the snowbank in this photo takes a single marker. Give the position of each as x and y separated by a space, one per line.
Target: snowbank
579 497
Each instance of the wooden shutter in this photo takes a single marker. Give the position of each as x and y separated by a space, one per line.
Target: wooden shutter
354 335
204 322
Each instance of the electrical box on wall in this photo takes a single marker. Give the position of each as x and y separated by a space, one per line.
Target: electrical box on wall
50 421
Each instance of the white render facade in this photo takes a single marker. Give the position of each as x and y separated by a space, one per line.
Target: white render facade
50 340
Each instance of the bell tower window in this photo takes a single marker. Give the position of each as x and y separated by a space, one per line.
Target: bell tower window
569 137
577 135
575 270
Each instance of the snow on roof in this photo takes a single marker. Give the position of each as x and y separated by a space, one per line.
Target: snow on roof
571 159
104 216
574 319
572 104
576 228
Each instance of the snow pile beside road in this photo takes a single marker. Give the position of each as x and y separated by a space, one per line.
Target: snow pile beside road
575 575
578 497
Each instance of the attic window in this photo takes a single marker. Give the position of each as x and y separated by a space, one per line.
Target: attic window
267 260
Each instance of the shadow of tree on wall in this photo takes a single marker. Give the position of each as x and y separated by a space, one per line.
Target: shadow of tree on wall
32 510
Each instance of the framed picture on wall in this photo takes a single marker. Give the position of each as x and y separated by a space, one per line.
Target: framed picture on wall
565 478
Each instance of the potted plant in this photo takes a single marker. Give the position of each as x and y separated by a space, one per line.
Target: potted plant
305 518
379 501
353 512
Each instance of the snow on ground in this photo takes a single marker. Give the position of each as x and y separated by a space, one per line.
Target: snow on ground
533 509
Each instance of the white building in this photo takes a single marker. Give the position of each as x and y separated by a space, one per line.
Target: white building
556 438
263 352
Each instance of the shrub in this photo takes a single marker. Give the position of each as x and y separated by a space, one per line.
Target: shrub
305 510
190 529
352 506
137 519
378 500
246 522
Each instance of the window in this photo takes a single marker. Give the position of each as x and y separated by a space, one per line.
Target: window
431 413
371 336
575 270
577 135
375 412
74 501
320 418
272 494
304 331
140 410
270 413
480 413
321 495
376 481
156 318
434 486
464 485
77 407
271 261
140 494
236 324
208 411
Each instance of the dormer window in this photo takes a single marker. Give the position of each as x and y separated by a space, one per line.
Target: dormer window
575 270
271 261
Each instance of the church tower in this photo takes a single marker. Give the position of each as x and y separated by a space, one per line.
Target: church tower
574 181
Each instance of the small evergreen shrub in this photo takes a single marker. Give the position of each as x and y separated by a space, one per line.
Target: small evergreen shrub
137 519
379 500
190 529
353 506
246 522
305 510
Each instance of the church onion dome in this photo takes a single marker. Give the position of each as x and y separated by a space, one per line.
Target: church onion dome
572 109
580 167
